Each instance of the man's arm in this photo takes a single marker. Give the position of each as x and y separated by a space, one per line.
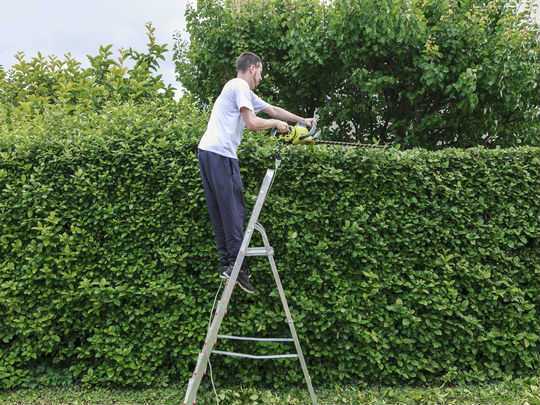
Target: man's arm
282 114
255 123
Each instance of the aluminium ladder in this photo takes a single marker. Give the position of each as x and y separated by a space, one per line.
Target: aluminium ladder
212 333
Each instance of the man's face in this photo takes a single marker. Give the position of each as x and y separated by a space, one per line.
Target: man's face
255 75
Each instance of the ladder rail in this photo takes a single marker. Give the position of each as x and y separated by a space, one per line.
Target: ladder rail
211 335
289 317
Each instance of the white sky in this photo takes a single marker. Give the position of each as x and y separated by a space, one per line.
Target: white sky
80 26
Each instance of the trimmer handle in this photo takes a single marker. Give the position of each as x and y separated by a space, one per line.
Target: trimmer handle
312 130
274 131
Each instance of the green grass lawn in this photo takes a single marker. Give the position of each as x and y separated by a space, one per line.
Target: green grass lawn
511 392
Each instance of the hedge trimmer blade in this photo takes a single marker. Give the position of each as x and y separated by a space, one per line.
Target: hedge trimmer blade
299 135
315 133
354 144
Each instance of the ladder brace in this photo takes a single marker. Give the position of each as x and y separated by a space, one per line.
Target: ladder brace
256 339
256 357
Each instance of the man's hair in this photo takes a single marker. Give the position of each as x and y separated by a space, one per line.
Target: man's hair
245 60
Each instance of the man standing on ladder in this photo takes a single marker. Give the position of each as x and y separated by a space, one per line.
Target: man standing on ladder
234 109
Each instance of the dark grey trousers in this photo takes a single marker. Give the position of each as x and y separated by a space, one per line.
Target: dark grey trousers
224 192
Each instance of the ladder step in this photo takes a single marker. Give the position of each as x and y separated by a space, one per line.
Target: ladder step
259 251
252 356
256 339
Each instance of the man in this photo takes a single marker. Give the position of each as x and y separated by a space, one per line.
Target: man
234 109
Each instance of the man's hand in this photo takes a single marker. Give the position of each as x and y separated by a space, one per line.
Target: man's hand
310 122
281 126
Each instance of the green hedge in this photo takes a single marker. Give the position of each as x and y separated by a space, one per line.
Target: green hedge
399 266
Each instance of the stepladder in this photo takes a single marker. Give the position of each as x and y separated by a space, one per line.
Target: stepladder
213 335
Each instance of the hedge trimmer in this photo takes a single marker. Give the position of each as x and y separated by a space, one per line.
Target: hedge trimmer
300 135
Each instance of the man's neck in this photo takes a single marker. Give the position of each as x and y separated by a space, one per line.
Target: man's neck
244 78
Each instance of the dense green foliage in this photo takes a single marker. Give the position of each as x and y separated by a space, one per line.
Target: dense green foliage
30 87
429 73
400 266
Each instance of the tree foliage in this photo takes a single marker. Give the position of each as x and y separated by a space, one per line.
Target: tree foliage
429 73
33 86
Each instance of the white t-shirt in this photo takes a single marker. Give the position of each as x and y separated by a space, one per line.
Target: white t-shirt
225 127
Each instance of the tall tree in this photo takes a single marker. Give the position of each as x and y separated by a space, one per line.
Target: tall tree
419 73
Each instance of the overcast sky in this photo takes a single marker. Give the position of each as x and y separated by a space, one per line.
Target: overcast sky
81 26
